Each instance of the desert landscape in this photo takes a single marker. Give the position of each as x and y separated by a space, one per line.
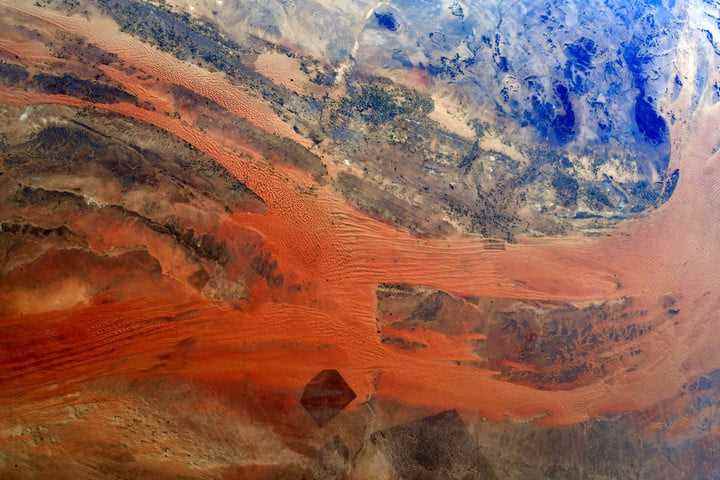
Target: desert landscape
307 239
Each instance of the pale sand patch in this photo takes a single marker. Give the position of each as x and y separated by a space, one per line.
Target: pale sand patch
284 70
450 116
60 296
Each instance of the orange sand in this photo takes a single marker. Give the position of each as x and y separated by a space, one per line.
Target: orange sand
339 255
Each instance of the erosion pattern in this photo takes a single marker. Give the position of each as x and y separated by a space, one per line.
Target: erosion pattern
359 240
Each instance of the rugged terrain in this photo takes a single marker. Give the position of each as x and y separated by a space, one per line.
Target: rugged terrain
325 240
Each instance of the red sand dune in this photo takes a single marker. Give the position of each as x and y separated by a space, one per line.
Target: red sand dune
339 255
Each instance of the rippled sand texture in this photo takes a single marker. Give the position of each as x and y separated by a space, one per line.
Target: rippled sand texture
198 375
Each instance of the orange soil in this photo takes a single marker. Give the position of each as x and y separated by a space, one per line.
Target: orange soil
339 255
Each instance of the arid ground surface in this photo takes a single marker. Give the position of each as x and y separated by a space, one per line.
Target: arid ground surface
347 240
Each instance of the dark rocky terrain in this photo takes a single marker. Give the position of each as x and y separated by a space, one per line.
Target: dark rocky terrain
563 107
311 239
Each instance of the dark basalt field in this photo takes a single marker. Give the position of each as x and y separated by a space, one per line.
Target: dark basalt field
317 240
